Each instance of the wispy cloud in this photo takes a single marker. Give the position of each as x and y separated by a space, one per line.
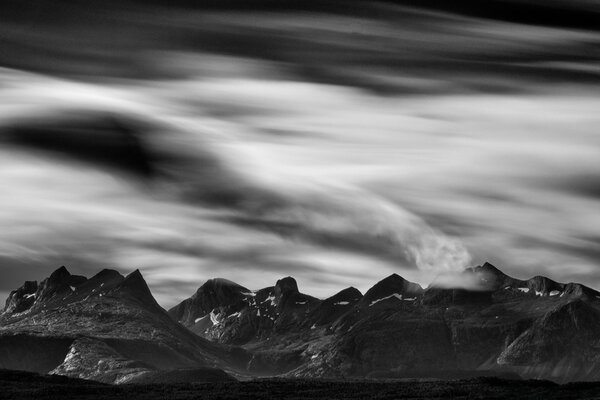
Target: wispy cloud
337 148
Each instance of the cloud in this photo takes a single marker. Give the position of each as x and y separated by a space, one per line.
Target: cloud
100 138
335 147
200 192
461 280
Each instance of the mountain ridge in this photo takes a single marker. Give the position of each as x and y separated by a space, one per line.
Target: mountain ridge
110 328
397 327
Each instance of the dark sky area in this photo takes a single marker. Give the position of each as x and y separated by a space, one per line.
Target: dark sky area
337 143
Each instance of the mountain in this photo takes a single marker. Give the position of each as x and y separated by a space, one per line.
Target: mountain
107 328
479 321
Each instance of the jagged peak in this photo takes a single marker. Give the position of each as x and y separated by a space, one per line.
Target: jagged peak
22 298
393 284
134 283
104 277
29 286
59 275
488 268
135 277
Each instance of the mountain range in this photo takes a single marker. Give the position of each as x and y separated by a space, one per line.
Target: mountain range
109 328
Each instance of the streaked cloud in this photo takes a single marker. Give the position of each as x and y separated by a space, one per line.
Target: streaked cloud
337 148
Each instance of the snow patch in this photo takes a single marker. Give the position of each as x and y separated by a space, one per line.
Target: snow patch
554 293
410 299
539 293
341 303
314 326
300 302
72 288
251 294
28 296
314 356
271 298
396 295
524 289
214 318
235 315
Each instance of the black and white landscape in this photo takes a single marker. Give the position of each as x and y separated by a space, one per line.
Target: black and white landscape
109 329
282 198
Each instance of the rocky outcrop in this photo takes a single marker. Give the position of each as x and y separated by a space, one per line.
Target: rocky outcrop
93 359
22 298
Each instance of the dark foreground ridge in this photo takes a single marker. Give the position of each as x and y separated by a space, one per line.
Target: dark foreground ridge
24 386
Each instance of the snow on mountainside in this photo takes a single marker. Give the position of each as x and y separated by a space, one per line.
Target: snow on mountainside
108 328
400 329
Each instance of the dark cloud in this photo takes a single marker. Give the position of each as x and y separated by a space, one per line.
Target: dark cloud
383 47
378 245
559 13
586 184
101 138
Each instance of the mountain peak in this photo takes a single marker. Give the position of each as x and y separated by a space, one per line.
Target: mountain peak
490 269
350 294
393 284
286 285
60 275
135 279
108 273
22 298
135 284
219 282
487 277
393 277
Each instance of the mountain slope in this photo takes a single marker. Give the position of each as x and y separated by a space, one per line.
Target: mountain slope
108 328
484 321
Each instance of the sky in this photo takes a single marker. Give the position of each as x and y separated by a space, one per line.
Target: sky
336 146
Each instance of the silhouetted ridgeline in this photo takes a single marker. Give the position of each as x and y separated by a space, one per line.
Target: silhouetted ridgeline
478 322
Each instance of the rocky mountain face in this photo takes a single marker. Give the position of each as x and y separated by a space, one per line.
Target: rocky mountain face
107 328
480 321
